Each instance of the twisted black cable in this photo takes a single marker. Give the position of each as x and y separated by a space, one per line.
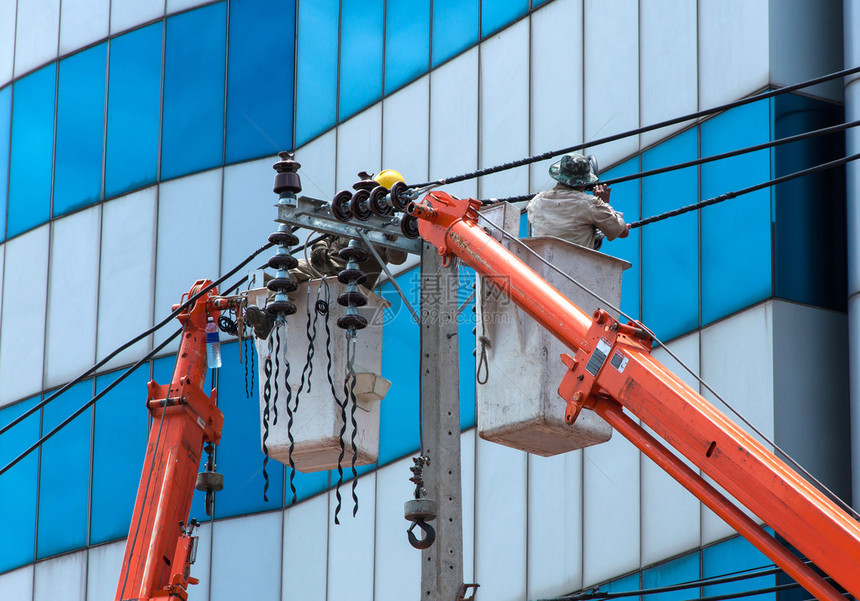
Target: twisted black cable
639 130
342 405
700 161
91 402
729 195
249 357
351 379
182 307
267 398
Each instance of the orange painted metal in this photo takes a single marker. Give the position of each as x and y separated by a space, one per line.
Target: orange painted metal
158 552
613 361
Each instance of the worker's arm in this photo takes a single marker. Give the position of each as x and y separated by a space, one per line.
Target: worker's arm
605 218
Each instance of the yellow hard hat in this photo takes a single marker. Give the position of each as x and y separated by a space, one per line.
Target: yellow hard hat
387 177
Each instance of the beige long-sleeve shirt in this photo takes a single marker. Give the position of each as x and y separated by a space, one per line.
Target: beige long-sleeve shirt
572 215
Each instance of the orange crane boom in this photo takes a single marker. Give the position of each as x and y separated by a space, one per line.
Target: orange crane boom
160 549
611 369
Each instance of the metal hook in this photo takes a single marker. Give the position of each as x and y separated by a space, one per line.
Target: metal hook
429 535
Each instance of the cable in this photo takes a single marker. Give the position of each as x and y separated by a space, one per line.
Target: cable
835 498
89 403
699 161
640 130
730 195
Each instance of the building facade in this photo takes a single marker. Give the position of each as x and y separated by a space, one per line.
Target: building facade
136 144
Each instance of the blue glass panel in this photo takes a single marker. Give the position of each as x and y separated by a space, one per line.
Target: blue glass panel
5 143
455 27
316 74
63 491
32 150
495 14
623 585
536 3
407 41
736 242
193 125
678 571
134 100
18 486
809 267
80 130
116 473
466 347
625 198
240 457
260 78
733 556
360 55
670 248
399 417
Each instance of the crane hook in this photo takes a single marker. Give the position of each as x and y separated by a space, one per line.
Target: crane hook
429 535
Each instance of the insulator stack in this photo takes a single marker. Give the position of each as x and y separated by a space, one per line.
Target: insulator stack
353 298
287 185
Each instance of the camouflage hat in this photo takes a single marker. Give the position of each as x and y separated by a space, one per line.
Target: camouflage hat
573 170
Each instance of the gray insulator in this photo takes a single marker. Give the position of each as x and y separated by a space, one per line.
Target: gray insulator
420 509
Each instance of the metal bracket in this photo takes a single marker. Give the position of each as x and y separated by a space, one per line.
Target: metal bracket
461 596
314 214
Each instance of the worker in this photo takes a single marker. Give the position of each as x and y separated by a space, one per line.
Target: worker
568 212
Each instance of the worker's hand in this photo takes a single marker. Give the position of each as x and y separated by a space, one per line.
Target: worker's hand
602 192
626 231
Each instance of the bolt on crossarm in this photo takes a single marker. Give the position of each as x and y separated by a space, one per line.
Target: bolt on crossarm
611 369
160 547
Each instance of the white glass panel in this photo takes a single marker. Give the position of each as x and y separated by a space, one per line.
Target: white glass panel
189 226
23 328
177 5
83 22
126 276
17 584
305 549
103 568
359 146
743 377
500 522
555 525
817 24
317 171
7 39
454 122
733 51
249 213
405 131
556 83
202 567
125 14
611 510
71 341
61 578
398 565
611 76
504 110
668 63
671 515
467 475
38 30
350 544
246 558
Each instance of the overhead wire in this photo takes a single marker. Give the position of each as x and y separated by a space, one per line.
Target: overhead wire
121 348
700 161
640 130
845 506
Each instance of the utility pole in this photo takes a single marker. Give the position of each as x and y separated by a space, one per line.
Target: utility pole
442 563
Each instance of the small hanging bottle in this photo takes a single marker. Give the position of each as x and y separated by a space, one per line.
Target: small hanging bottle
213 345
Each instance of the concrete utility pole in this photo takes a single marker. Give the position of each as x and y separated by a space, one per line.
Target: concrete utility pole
442 563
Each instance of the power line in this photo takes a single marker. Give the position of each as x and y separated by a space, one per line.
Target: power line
640 130
89 403
730 195
700 161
